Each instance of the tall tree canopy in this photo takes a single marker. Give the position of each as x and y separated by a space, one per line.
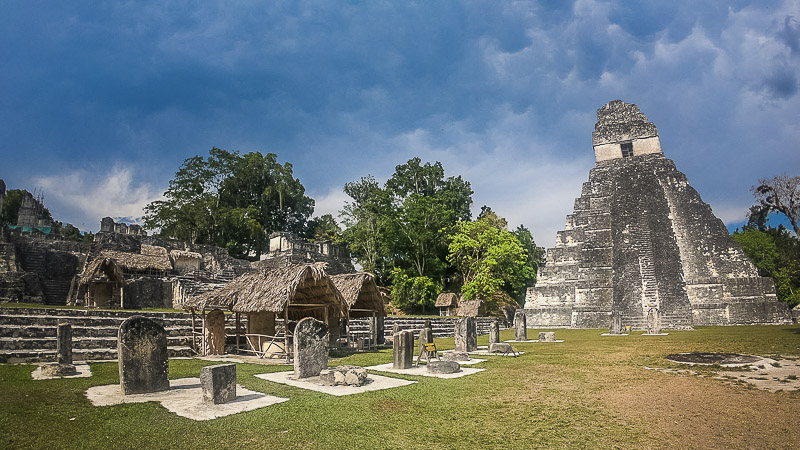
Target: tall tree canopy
395 230
779 194
231 200
489 259
776 253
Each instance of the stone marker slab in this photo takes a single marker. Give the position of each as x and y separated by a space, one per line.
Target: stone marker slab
494 332
218 383
443 367
403 346
520 326
64 344
466 335
215 332
501 347
376 330
455 356
310 348
547 336
142 352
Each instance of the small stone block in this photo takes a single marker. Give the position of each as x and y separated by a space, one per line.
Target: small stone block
455 356
218 383
444 367
58 370
501 347
547 336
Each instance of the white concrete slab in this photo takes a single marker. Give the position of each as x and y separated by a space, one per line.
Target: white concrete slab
184 398
83 371
655 334
535 340
609 334
378 382
486 353
423 371
469 362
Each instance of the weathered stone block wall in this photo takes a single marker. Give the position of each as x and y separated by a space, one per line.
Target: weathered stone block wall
640 237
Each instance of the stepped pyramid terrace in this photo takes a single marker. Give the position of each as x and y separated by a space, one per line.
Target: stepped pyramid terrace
641 245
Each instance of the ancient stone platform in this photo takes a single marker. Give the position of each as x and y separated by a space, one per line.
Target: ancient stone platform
376 383
185 398
640 238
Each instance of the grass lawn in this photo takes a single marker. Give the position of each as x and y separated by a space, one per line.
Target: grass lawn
587 392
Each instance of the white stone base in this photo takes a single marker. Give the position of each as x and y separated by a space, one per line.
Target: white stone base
82 371
377 383
184 398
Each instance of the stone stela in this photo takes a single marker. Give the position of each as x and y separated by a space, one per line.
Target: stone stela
494 332
520 326
311 340
143 360
403 347
466 335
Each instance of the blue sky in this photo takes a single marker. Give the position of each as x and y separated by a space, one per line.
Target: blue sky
102 101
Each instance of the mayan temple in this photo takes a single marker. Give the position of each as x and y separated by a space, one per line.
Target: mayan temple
641 243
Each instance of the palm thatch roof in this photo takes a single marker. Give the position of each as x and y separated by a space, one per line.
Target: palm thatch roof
360 292
138 263
446 300
304 289
470 308
176 254
102 270
153 250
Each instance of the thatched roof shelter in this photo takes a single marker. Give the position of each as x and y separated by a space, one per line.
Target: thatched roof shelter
470 308
447 300
361 293
134 262
153 250
303 290
102 270
177 254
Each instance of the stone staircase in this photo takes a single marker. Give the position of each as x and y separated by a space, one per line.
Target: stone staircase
29 334
441 326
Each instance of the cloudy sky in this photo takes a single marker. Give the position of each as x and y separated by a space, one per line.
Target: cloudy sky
101 102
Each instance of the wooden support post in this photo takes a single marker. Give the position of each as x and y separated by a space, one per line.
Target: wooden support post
286 332
237 332
203 331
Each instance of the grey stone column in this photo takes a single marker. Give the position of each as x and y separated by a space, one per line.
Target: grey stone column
64 343
494 332
403 350
520 326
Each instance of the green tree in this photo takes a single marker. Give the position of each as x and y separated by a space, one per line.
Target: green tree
324 228
779 194
535 259
410 293
231 200
488 259
71 233
424 203
365 218
775 253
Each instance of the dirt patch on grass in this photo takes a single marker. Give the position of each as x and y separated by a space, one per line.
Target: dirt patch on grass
683 411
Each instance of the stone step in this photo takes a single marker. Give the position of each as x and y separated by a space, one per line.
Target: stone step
41 344
32 356
46 331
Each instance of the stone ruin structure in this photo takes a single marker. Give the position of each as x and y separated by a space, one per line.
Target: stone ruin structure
108 225
32 213
285 249
640 238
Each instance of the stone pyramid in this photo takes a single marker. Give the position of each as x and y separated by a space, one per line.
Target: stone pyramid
641 245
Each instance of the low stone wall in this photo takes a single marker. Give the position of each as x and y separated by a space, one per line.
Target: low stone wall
442 326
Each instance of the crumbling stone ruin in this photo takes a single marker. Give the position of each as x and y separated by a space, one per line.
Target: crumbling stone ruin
108 225
641 238
286 249
32 213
